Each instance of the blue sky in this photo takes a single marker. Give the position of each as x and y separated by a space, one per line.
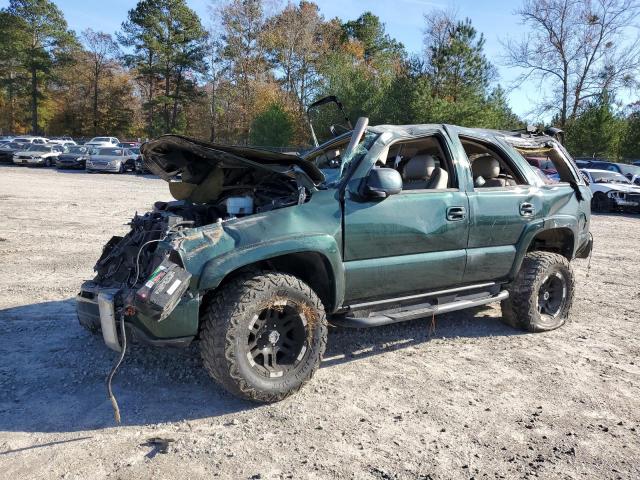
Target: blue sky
404 20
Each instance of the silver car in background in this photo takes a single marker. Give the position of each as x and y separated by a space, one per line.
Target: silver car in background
38 155
115 160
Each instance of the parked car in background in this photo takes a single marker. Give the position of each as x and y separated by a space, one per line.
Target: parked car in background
74 156
129 144
631 172
543 163
38 155
5 140
612 191
116 160
637 163
7 151
31 139
140 166
103 142
64 141
543 176
582 163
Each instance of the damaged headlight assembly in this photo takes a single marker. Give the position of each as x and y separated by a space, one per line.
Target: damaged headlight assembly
616 195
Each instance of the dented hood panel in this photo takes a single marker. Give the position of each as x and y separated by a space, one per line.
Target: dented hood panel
171 155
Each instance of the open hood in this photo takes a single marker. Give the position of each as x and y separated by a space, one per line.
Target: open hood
197 163
325 118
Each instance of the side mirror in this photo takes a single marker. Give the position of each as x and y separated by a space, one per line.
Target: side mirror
382 182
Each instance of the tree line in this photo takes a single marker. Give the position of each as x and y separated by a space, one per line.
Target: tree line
249 75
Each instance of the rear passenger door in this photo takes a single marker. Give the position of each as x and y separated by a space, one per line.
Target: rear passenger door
407 243
498 215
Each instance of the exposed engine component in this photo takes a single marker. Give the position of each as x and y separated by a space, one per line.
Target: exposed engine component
239 205
162 291
127 261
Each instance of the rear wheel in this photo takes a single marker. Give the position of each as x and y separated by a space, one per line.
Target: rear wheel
541 296
263 336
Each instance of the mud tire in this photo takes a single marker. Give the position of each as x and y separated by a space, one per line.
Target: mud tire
522 308
226 323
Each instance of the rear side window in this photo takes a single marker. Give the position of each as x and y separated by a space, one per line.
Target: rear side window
560 167
490 166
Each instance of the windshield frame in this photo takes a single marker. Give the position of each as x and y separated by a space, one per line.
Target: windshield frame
102 151
38 147
69 148
628 169
348 166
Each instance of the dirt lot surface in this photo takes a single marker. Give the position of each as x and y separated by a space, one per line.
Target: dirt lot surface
475 399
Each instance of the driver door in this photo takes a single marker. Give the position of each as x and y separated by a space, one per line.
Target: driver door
411 242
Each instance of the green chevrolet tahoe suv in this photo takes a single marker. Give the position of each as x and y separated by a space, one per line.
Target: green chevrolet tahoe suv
261 251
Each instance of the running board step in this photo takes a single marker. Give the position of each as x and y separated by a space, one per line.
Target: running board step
416 311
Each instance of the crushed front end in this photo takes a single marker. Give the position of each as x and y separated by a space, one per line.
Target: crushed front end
149 278
142 276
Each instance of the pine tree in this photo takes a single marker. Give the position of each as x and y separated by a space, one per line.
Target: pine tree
168 43
44 44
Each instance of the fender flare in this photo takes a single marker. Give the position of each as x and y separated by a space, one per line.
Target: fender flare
216 269
535 228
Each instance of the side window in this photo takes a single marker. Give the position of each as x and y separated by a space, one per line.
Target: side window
491 168
423 163
612 168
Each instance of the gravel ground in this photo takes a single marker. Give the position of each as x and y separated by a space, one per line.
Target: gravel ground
475 399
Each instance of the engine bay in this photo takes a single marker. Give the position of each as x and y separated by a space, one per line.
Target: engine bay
128 261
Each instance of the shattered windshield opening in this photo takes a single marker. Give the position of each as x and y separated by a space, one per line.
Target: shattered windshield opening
353 157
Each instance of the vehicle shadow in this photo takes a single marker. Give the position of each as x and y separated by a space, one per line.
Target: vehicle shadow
52 378
70 170
346 344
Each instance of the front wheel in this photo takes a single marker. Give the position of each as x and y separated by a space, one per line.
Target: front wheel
541 296
263 336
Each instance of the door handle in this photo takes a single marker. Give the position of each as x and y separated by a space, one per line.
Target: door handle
527 209
455 214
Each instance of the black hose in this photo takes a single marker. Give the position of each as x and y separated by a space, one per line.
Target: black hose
114 402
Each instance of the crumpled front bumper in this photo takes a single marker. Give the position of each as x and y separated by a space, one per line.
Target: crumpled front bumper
97 310
103 317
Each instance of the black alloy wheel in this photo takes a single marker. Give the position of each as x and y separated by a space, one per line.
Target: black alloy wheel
263 335
552 294
276 340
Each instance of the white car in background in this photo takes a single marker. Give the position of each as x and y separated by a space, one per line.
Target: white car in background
612 191
38 155
102 142
31 139
65 142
